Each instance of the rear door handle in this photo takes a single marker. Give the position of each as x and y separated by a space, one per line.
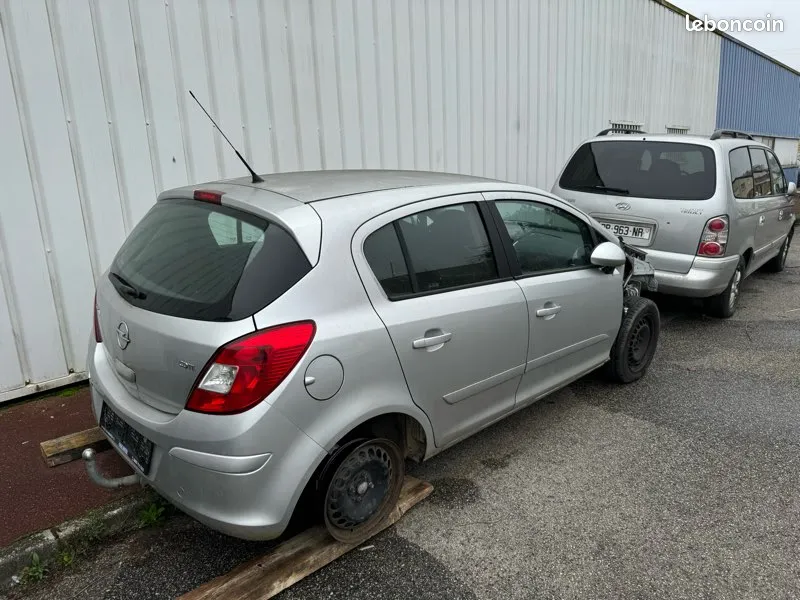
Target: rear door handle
548 311
433 340
761 219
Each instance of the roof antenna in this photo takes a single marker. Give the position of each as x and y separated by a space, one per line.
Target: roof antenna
256 178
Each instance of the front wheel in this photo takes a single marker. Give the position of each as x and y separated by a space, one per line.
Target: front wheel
636 342
363 490
724 305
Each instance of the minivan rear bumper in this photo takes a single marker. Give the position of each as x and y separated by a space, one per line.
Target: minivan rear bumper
707 277
239 474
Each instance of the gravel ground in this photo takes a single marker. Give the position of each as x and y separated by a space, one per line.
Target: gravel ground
682 485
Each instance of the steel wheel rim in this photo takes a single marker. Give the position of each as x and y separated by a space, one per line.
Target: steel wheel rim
734 295
361 488
639 343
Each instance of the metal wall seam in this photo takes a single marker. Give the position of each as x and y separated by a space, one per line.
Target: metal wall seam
73 135
113 133
147 104
13 321
180 85
35 176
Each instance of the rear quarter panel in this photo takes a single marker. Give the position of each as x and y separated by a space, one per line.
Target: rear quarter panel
349 329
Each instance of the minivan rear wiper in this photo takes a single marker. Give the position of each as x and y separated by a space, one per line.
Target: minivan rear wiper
604 188
127 288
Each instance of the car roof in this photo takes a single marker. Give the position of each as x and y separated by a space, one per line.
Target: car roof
724 143
313 186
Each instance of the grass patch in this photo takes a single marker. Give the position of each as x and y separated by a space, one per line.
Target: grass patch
35 571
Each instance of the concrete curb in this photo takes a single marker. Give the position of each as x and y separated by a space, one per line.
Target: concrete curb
114 518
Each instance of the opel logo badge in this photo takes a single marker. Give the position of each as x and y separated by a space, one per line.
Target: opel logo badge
623 206
123 336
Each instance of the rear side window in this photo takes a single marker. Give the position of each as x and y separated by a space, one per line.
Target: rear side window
443 248
741 173
663 170
778 178
761 175
204 261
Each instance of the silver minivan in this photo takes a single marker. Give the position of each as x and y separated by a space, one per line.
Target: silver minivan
708 212
306 333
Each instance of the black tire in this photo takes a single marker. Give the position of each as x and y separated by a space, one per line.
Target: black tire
777 264
636 342
724 305
363 489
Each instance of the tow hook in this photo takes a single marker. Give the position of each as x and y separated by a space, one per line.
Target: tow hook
88 456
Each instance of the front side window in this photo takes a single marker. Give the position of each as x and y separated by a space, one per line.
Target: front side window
741 174
643 169
546 238
778 178
761 177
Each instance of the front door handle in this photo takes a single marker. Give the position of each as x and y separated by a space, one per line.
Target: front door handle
433 340
761 219
548 311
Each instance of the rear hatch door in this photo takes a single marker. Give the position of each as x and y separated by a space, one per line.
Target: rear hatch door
186 281
656 195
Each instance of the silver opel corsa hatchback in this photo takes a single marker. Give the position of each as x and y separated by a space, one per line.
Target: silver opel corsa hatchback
306 334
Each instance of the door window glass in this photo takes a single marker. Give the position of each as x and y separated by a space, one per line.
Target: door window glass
448 247
778 178
761 176
546 238
741 173
385 257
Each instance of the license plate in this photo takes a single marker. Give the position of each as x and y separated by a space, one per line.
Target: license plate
630 231
129 441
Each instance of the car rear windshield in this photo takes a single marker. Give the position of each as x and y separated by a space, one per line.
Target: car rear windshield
664 170
204 261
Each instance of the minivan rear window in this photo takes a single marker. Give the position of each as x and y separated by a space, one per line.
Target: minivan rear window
664 170
204 261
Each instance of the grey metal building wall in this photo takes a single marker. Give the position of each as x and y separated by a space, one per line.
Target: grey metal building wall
96 118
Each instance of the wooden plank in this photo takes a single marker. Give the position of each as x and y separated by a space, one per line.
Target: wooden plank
69 447
265 576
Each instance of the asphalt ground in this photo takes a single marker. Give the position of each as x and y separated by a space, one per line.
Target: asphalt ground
34 496
683 485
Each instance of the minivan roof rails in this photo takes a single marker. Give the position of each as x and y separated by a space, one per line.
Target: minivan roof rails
625 131
721 133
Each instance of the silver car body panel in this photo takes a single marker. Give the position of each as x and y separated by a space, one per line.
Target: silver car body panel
758 226
243 473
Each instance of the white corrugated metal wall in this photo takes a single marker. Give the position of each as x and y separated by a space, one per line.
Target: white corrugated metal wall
96 117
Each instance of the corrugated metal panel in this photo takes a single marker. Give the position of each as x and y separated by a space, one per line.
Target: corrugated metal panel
96 117
757 95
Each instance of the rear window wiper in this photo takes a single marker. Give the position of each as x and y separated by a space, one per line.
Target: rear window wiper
127 288
604 188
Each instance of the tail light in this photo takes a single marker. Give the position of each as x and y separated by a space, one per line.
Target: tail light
714 238
98 337
245 371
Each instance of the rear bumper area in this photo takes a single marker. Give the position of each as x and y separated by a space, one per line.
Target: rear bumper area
239 474
707 277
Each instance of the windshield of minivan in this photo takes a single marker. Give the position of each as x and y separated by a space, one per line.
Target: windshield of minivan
205 261
644 169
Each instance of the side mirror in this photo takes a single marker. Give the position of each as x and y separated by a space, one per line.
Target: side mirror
608 255
792 189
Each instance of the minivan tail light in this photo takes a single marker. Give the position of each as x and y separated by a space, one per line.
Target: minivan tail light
98 337
245 371
714 238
